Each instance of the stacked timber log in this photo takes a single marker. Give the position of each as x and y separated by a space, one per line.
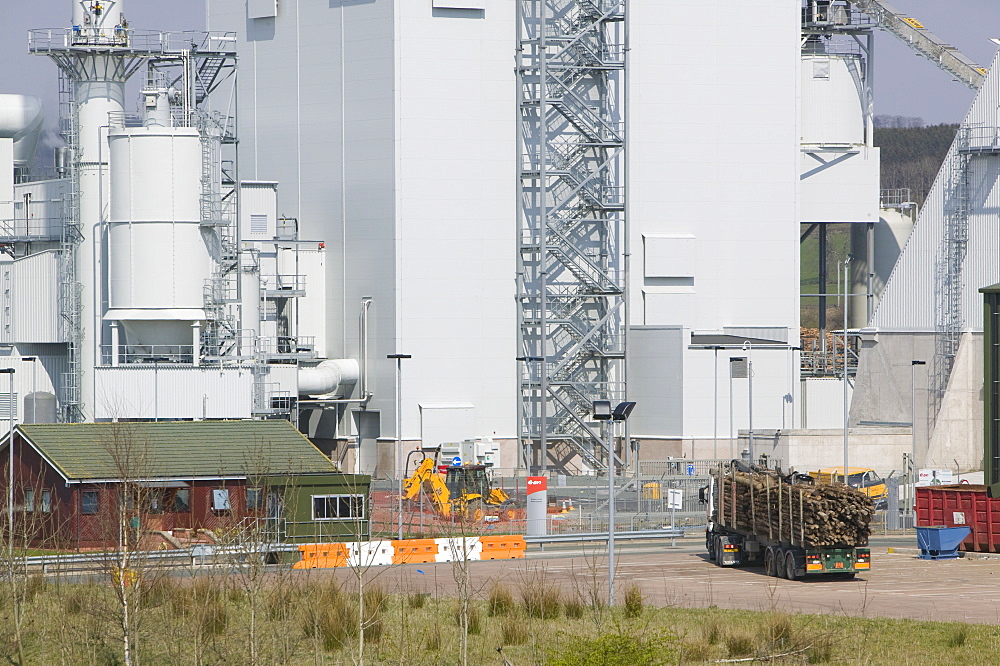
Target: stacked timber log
778 507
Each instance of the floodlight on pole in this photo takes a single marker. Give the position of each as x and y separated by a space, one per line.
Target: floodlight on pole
399 437
603 412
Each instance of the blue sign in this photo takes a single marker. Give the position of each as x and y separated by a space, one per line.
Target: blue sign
690 470
456 461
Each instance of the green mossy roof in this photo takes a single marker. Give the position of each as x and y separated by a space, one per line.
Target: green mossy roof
176 449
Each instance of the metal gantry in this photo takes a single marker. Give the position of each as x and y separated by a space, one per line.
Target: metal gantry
572 254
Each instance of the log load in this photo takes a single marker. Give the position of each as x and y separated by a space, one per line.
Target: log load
786 508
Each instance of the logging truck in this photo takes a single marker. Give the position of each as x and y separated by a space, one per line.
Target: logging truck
785 522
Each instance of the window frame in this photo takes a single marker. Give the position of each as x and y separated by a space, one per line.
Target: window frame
360 502
258 493
29 500
83 502
187 502
221 506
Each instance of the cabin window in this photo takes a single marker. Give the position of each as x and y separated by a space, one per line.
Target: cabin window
255 499
220 499
338 507
182 500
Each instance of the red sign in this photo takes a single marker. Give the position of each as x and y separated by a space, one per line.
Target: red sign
537 484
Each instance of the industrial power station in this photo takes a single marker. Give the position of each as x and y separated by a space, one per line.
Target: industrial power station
402 224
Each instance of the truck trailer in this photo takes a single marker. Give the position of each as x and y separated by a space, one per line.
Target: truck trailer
788 523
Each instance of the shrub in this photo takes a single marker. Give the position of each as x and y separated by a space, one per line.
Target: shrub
574 607
633 601
213 617
957 637
500 601
416 600
513 631
473 620
614 650
541 600
740 644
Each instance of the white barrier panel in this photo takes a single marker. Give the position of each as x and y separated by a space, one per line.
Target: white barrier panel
457 549
369 553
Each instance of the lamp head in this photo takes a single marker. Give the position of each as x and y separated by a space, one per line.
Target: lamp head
602 410
623 410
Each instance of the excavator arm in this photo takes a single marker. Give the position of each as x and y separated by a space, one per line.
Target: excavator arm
427 478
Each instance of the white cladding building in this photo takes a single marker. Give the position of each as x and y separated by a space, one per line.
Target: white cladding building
392 128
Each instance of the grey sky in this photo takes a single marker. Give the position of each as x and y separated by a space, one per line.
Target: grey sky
904 84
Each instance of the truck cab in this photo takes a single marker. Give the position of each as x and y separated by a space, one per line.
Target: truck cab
863 478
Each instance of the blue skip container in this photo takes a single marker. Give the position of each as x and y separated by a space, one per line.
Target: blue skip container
940 543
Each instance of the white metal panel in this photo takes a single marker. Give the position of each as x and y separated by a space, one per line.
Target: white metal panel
460 4
262 9
670 256
258 210
832 103
145 392
312 306
909 300
30 299
45 208
840 186
443 423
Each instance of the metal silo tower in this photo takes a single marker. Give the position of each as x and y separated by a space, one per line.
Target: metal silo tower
572 228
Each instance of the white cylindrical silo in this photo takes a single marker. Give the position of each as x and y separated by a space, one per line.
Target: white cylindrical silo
832 99
890 235
159 260
21 120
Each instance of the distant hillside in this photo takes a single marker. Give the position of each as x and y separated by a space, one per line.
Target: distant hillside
912 156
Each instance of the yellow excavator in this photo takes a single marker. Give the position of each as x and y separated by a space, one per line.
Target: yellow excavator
464 492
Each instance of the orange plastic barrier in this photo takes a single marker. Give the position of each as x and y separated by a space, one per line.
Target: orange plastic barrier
322 556
414 551
502 547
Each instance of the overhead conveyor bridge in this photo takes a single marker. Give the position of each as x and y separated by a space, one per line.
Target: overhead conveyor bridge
913 33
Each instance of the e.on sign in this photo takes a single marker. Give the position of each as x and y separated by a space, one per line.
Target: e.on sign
537 484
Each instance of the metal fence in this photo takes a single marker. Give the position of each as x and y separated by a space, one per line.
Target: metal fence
576 504
664 495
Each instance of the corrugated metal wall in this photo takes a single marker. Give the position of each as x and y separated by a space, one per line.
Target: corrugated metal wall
909 300
173 392
30 298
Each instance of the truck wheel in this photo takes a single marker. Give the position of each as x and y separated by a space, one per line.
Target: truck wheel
710 547
769 562
790 566
779 563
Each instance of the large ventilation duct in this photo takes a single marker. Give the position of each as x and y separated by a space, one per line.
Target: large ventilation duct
335 376
21 120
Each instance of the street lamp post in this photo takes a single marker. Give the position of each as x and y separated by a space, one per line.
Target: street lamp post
748 348
603 412
846 406
715 403
399 436
913 409
10 462
527 360
34 394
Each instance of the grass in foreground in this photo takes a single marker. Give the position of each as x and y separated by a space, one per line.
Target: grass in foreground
313 619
